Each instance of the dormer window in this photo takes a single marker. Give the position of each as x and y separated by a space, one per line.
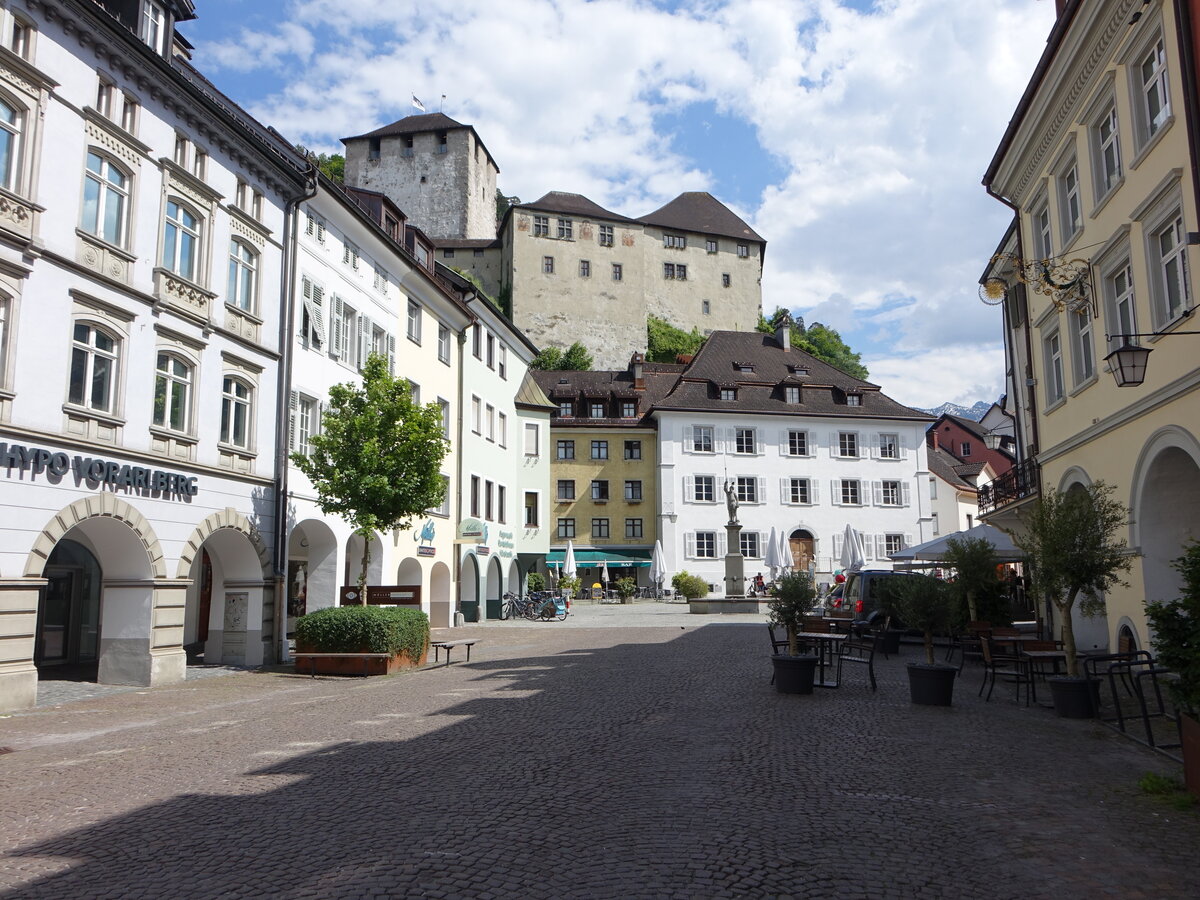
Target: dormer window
728 393
596 410
566 409
155 26
791 394
744 367
628 409
798 370
854 399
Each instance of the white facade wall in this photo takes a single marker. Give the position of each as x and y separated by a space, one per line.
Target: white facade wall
681 517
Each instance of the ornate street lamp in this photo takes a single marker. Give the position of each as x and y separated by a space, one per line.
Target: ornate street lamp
1128 363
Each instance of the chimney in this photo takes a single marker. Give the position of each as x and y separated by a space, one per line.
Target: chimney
638 365
933 438
783 331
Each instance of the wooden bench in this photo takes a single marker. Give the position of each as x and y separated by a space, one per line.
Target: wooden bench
365 657
438 646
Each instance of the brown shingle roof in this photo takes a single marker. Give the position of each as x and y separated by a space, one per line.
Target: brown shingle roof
573 204
422 124
942 464
565 384
701 211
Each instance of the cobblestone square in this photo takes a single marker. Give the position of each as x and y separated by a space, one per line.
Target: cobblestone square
628 752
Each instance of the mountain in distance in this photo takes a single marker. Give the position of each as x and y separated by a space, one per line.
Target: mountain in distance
974 413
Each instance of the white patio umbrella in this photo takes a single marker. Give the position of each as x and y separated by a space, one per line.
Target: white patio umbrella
569 567
852 550
771 557
786 562
935 550
658 565
604 571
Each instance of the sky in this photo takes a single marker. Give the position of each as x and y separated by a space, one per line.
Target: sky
851 134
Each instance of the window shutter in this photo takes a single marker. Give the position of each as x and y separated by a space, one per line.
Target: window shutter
877 492
785 490
784 443
321 230
364 340
905 494
835 496
813 493
689 545
876 446
293 409
722 545
311 227
760 492
689 439
834 444
318 426
336 309
391 352
903 444
759 444
881 546
908 541
318 305
868 546
837 547
689 489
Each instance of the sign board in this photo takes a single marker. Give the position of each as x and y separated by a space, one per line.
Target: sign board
383 595
472 531
95 472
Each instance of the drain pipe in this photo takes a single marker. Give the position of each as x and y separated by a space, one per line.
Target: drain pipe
283 387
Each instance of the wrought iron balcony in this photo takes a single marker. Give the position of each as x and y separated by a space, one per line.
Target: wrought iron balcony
1021 481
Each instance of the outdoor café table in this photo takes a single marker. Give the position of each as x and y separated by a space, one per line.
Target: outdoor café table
824 641
1014 640
1035 657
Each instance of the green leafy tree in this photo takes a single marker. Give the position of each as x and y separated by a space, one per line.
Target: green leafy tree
792 598
534 582
974 562
575 358
690 587
377 461
665 342
626 588
1070 539
821 341
1177 632
503 203
925 603
332 165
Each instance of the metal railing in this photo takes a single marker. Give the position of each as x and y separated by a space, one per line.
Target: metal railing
1021 481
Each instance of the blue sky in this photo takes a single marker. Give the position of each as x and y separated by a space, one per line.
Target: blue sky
852 134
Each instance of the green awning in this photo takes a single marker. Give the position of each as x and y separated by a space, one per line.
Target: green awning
591 559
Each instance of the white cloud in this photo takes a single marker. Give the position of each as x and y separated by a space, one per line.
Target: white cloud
882 122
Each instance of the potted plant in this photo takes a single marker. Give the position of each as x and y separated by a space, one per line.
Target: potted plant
925 603
399 631
1070 539
626 588
1176 640
974 562
792 598
568 585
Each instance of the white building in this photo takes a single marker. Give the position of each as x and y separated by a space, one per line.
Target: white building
807 449
504 468
361 289
143 227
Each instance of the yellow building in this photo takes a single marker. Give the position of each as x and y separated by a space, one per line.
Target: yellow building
603 473
1097 166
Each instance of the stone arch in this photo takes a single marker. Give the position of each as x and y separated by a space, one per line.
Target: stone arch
228 518
1074 476
1171 436
100 505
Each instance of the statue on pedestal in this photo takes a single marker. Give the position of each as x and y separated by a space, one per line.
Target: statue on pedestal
731 501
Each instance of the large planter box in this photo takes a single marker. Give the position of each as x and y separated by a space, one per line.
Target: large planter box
794 674
340 665
1075 698
931 685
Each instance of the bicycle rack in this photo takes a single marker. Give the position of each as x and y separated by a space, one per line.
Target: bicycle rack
1132 669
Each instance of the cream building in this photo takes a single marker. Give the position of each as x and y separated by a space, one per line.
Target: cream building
1098 167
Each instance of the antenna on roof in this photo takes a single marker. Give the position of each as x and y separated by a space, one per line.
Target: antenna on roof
442 104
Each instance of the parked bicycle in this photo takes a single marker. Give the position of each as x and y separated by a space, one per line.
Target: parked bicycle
513 607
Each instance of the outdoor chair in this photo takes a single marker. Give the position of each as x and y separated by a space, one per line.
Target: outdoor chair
967 643
998 666
816 624
778 646
860 650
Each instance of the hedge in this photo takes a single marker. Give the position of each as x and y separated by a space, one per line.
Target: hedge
364 629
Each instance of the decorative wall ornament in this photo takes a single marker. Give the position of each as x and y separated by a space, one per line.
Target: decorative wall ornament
1067 284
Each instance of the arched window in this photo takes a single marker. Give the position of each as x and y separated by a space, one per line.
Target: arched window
93 368
236 406
243 276
172 392
181 240
105 199
10 145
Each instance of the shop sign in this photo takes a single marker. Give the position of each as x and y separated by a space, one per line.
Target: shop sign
505 544
483 550
472 531
37 460
424 537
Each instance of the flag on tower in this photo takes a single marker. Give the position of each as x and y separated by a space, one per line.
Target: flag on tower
417 104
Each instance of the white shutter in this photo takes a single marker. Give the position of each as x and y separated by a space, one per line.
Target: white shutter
689 545
785 490
336 338
689 489
759 445
877 492
876 445
364 340
311 226
689 439
321 230
834 445
318 305
722 547
317 426
784 442
391 353
814 493
905 494
908 541
903 445
760 489
835 495
868 546
293 410
837 547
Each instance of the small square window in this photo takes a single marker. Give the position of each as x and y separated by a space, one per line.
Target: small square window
743 250
599 449
566 528
606 236
616 271
565 450
600 491
705 307
633 449
599 528
710 246
725 280
548 265
585 268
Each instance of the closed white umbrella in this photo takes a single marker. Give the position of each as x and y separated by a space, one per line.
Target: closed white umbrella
569 568
658 565
786 562
604 571
771 557
852 550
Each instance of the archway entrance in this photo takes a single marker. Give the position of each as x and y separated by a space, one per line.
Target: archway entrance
228 618
804 549
495 588
68 625
439 596
1166 516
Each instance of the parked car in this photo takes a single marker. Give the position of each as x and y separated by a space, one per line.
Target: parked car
864 592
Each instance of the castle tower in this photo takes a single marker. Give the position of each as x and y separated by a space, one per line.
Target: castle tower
435 169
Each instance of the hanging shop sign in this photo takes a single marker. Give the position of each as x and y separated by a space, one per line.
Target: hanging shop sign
37 460
505 544
472 531
424 537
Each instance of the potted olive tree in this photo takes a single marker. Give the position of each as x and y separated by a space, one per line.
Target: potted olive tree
926 603
626 588
792 598
1177 642
1070 538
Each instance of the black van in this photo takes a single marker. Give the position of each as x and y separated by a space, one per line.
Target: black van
866 585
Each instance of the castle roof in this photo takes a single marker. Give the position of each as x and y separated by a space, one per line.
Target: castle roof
574 205
700 211
422 124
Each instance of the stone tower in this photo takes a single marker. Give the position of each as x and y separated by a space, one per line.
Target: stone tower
435 169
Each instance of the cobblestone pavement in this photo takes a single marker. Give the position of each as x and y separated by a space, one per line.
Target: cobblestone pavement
584 759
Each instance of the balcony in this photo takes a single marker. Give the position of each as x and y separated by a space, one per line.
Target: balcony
1021 481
